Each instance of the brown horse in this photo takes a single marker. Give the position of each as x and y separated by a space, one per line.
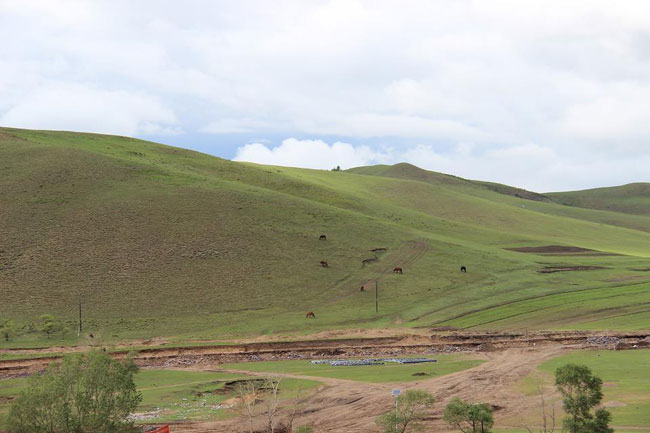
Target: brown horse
362 289
397 270
324 264
310 314
322 238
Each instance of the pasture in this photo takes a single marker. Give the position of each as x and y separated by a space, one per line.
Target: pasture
177 395
626 384
157 241
389 372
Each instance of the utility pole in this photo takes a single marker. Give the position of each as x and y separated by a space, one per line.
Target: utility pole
376 297
80 326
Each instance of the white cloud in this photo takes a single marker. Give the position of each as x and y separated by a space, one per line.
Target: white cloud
83 108
530 166
311 154
571 77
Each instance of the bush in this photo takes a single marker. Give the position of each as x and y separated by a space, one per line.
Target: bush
468 417
412 408
84 393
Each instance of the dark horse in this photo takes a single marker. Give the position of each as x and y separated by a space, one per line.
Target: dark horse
324 264
362 289
397 270
322 238
463 269
310 314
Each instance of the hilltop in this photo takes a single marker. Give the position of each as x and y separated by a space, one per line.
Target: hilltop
633 198
157 240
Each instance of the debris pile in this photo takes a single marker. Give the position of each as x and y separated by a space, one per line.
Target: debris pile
602 340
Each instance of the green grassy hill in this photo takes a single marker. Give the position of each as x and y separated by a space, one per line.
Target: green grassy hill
157 240
633 198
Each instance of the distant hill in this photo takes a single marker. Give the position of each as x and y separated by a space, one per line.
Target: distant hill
156 240
633 198
404 170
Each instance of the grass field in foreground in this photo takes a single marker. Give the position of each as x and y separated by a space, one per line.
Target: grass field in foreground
171 395
626 383
389 372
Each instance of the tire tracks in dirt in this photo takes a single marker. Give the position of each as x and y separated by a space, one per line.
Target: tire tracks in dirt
352 407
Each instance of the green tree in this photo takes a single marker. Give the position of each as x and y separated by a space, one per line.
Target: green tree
581 392
7 328
468 417
412 407
50 325
83 393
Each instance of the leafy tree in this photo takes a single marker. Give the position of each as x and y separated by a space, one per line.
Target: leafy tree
412 407
468 417
581 392
83 393
7 328
50 325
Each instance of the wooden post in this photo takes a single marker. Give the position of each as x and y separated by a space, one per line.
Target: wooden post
80 326
376 297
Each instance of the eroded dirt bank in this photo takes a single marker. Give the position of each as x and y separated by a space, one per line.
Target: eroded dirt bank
431 342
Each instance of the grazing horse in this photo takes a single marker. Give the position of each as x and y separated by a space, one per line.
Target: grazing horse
463 269
310 314
324 264
362 289
397 270
322 238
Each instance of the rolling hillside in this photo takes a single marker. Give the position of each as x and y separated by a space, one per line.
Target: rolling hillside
156 240
633 198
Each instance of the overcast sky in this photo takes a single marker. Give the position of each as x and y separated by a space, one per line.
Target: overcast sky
548 95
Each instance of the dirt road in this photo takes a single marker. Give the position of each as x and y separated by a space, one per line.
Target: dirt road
351 407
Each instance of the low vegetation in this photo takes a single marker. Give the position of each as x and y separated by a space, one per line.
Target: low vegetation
83 393
469 417
411 408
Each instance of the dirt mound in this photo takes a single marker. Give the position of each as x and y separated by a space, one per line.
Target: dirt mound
560 250
553 269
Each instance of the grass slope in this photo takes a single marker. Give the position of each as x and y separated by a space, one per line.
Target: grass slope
157 240
633 198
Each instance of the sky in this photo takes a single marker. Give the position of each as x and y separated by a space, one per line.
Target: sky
546 95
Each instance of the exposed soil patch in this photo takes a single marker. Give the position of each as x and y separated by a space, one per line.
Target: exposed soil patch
560 250
553 269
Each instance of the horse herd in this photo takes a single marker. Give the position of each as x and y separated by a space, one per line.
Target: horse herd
396 270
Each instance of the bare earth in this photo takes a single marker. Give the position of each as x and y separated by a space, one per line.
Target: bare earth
348 406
